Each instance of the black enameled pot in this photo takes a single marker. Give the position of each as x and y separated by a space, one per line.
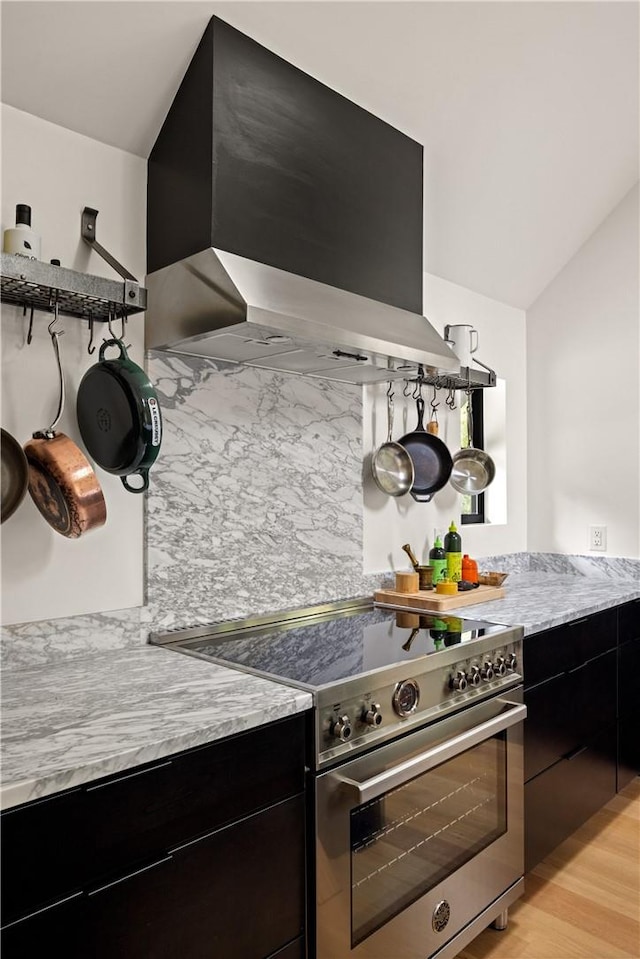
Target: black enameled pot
119 417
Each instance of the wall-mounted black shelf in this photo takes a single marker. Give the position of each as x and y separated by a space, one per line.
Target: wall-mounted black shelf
31 283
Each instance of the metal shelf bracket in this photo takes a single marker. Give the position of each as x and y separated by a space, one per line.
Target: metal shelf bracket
88 231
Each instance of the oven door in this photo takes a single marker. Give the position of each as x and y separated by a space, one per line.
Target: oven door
419 837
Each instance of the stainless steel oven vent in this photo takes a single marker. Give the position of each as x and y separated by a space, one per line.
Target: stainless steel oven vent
227 307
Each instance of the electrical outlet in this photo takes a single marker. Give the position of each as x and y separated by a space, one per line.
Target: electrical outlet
597 537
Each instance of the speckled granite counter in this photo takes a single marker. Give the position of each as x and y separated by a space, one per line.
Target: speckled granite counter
86 718
539 601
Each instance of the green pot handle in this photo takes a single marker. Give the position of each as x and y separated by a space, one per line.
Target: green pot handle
119 344
137 489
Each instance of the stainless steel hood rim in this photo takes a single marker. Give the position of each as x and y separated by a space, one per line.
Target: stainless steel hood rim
227 307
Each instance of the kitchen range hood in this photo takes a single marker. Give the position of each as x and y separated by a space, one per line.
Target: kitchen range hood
284 225
223 306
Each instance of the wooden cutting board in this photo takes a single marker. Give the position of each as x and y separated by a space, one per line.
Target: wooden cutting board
430 600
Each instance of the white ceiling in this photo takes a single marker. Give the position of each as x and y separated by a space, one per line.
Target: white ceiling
528 111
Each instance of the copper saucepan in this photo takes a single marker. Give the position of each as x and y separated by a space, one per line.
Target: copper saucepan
62 482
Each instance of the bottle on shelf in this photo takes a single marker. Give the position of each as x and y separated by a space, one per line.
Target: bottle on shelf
437 561
453 552
21 239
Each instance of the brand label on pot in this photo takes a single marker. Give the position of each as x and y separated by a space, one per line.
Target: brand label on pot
156 422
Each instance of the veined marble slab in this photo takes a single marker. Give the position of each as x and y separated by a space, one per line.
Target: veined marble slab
539 601
256 502
84 719
570 564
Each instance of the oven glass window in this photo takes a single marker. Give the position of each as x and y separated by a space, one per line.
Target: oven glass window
414 836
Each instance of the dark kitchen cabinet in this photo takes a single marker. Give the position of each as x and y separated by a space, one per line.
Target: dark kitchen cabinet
560 799
198 855
628 692
570 732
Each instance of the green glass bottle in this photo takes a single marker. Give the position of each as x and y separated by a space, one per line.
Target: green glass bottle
453 552
438 561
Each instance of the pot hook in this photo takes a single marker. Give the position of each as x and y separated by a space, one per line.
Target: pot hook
55 336
469 419
451 398
91 348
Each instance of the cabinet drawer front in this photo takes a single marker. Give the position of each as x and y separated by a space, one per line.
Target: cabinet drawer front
43 853
59 930
566 647
629 621
567 712
590 691
61 844
629 680
196 793
592 636
546 655
560 799
238 893
546 732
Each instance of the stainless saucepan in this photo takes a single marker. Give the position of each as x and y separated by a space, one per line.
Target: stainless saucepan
391 465
473 469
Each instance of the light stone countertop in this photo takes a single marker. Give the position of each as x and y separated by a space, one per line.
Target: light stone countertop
83 719
539 601
78 720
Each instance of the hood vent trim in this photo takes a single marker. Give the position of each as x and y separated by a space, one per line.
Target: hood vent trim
223 306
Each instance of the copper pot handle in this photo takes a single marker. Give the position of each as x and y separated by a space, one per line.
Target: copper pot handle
55 335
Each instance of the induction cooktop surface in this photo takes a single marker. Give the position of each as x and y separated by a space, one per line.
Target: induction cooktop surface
319 649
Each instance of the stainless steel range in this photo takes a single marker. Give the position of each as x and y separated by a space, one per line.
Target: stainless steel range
418 767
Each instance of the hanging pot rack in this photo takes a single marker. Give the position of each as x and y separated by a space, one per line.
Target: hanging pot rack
35 285
468 379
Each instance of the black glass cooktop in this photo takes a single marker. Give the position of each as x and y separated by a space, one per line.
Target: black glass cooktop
336 646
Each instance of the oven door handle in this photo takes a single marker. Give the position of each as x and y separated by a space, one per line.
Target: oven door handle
399 774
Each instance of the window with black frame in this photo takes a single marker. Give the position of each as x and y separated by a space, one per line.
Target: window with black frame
472 434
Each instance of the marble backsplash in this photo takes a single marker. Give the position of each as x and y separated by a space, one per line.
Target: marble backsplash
255 505
600 567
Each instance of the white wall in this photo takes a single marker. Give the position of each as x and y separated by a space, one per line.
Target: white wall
583 357
389 522
57 173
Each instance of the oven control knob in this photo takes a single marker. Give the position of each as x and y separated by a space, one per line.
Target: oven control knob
500 666
372 716
512 661
341 728
473 676
459 681
486 670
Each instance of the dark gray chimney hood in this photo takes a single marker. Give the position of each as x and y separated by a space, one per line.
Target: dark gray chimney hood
284 225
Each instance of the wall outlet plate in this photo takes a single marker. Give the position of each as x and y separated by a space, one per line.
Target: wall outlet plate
598 537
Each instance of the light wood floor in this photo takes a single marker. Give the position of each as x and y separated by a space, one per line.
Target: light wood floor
582 901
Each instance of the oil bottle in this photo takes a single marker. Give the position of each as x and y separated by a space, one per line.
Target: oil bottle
453 552
438 561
